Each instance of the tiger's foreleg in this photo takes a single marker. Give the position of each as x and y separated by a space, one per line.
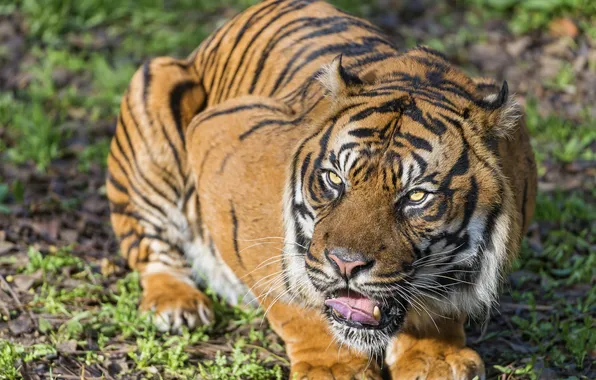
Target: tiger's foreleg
313 351
433 350
152 197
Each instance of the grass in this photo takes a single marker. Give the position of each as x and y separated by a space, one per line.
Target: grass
530 15
564 331
80 57
86 313
559 139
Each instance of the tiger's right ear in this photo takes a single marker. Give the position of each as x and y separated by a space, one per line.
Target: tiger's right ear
336 80
502 112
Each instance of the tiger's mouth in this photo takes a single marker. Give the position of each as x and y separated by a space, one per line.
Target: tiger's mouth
356 310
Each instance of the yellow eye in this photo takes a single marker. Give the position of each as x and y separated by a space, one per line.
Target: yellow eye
334 178
417 196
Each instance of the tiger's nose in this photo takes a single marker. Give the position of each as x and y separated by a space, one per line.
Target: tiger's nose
347 264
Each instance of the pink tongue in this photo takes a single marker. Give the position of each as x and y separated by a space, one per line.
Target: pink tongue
355 307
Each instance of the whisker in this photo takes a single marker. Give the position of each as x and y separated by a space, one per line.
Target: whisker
437 253
262 279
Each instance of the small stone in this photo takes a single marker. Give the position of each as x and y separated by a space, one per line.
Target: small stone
93 205
562 47
67 347
70 236
518 46
24 282
20 325
6 246
550 67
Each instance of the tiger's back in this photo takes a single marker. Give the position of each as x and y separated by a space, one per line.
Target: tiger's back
277 48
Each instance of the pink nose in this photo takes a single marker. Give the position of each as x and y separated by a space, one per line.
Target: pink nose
346 268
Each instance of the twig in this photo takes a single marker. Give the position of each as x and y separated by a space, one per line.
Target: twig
105 372
279 358
5 309
18 301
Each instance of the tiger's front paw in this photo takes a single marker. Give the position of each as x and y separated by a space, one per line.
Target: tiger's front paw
444 362
352 370
175 302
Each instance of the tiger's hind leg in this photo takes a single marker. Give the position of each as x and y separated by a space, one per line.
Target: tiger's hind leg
152 197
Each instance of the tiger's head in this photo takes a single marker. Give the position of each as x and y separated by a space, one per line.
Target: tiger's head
396 204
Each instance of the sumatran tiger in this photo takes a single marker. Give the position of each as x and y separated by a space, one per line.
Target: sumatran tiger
369 199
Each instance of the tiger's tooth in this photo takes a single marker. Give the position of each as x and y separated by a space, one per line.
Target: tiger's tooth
377 313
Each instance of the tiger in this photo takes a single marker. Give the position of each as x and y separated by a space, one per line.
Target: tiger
370 200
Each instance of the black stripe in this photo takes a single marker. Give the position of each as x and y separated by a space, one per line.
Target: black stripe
263 124
136 164
135 123
126 234
364 132
392 106
306 23
119 186
235 233
235 109
172 148
471 202
256 35
159 237
176 95
137 192
422 164
417 142
255 17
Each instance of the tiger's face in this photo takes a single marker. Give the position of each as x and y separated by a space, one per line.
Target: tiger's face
396 205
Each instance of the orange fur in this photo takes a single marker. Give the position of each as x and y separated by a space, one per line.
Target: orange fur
219 159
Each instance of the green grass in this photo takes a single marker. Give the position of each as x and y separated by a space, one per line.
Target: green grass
558 138
566 259
70 39
9 354
87 312
529 15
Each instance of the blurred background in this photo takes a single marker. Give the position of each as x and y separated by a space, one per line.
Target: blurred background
67 302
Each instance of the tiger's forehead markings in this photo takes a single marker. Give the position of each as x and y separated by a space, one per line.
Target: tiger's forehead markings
359 140
400 156
431 87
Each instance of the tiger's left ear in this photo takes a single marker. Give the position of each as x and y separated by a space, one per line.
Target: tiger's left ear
502 112
336 80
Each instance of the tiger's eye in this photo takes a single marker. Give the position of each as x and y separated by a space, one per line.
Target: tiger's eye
417 196
334 178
